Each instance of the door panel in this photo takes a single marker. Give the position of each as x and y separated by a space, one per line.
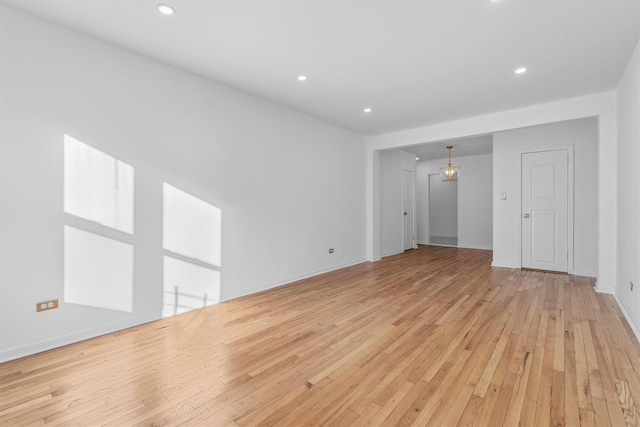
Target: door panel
544 210
408 203
544 224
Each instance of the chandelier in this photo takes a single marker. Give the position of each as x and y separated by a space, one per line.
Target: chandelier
449 172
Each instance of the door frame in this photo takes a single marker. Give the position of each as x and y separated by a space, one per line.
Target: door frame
414 233
570 200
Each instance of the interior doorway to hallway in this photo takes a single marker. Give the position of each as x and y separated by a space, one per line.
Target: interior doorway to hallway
443 211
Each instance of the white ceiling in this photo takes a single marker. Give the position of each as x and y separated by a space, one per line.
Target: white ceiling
473 146
414 62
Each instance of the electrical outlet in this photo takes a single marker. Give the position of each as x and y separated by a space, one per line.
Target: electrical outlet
47 305
331 250
630 285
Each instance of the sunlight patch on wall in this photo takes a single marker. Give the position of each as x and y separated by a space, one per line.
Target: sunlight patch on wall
192 237
97 187
191 226
98 271
188 286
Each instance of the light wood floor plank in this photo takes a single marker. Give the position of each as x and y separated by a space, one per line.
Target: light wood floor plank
434 336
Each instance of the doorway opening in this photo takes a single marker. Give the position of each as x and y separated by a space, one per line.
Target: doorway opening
443 211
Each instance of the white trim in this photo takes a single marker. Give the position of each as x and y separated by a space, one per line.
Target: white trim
392 253
570 200
591 274
278 283
473 246
444 235
412 244
463 246
495 263
604 289
74 337
627 315
373 200
599 104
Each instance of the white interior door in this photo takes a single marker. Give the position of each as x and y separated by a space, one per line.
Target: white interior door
408 204
544 210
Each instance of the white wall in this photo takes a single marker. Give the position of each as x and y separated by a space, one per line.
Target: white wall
391 166
475 203
601 106
475 207
289 186
582 134
628 178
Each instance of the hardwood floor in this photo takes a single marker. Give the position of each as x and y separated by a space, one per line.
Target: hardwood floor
434 336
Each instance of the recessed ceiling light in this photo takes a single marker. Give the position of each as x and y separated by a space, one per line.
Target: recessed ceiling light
165 9
367 110
417 158
302 78
521 70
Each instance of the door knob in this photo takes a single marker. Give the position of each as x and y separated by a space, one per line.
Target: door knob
526 215
405 213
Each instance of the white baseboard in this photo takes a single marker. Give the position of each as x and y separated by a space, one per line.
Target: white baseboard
474 246
601 289
460 245
392 253
74 337
291 279
495 263
583 273
627 314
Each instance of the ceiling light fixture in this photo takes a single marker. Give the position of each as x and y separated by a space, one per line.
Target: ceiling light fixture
449 172
302 78
367 110
521 70
165 9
